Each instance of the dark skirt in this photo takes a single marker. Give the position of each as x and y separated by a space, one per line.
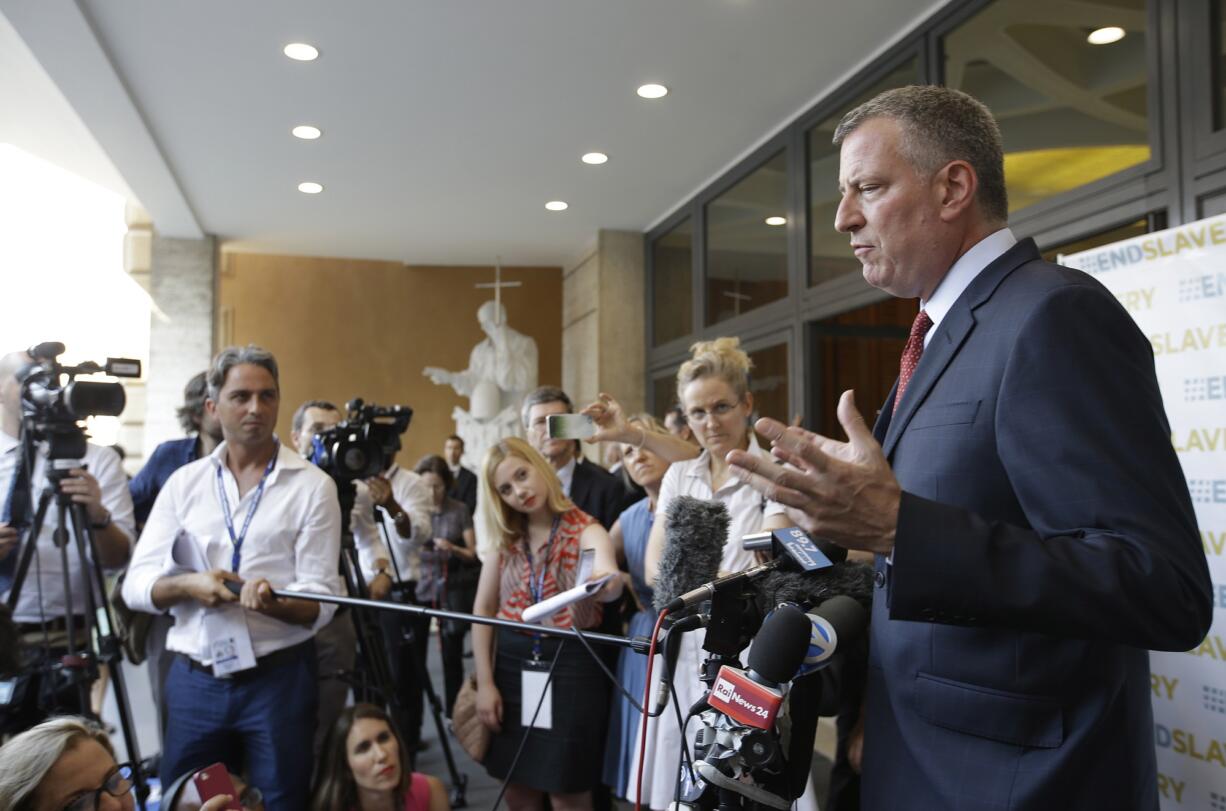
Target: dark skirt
567 758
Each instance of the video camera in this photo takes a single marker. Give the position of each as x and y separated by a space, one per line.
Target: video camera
52 406
363 444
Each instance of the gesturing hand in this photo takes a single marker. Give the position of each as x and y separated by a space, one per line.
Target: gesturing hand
843 491
610 421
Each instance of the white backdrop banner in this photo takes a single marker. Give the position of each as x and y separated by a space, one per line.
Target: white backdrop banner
1173 283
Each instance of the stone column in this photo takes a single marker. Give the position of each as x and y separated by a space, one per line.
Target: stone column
182 284
602 323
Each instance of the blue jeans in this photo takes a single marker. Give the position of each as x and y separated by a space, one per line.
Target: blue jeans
263 720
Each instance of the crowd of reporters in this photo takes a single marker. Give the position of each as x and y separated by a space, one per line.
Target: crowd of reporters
229 515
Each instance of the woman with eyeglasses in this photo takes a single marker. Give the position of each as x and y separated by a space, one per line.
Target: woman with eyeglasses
713 389
362 768
65 764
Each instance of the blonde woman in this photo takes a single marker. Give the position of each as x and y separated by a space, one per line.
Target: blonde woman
540 536
713 389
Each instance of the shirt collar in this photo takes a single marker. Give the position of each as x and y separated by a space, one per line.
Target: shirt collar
701 469
969 265
566 474
287 458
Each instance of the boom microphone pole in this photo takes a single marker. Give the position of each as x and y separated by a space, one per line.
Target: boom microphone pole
638 644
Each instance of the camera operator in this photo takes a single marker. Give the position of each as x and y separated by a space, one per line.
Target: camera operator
98 482
336 642
400 501
256 513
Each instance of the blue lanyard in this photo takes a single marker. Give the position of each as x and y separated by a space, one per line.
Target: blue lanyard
536 585
237 540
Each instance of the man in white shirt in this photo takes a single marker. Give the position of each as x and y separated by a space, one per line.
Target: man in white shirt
257 514
394 508
98 482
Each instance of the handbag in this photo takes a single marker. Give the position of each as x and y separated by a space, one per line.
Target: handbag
474 736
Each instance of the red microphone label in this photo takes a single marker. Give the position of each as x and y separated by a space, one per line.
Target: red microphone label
744 700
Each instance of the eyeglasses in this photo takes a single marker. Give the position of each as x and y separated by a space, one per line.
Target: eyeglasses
117 784
719 411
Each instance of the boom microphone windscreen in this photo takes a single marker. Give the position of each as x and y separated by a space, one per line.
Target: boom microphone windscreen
854 580
694 539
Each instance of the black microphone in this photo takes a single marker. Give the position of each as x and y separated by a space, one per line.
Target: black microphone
780 647
854 580
694 540
707 590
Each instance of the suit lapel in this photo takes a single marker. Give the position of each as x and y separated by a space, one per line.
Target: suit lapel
579 484
949 337
882 423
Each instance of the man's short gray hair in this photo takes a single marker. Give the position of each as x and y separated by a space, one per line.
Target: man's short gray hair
939 125
544 394
233 356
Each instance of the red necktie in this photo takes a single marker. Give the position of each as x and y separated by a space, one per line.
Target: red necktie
911 353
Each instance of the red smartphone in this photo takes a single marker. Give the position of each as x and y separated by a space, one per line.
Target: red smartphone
214 780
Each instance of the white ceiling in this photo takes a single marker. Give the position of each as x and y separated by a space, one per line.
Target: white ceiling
447 124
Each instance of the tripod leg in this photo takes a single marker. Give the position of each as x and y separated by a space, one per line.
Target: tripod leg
108 644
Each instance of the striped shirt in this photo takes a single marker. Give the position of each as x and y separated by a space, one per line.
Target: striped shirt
561 571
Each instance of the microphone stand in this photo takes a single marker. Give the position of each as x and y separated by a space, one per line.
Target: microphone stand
638 644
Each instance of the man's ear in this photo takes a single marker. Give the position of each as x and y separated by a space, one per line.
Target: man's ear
957 185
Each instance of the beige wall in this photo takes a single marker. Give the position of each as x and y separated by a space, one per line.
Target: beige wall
345 328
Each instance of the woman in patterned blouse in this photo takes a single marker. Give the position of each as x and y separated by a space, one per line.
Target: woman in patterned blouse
542 537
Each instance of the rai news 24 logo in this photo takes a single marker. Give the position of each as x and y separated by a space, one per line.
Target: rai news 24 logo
744 700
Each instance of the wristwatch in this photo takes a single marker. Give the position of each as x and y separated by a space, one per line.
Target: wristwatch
104 523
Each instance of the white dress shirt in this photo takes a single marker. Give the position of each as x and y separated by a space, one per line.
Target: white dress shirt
411 493
42 594
969 265
293 541
746 506
566 475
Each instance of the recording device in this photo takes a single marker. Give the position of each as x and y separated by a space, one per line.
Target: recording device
738 749
570 426
363 444
53 401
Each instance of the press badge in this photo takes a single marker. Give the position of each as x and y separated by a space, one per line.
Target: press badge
535 684
229 640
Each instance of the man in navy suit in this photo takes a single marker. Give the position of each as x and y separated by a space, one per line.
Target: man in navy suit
463 480
1032 528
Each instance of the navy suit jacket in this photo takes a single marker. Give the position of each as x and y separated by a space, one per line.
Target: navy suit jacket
1045 541
599 493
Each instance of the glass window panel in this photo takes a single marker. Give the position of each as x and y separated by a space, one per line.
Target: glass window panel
664 390
1071 112
747 256
768 382
1217 33
671 284
859 349
829 253
1122 232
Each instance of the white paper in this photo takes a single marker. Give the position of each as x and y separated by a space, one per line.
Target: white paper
188 554
582 589
533 686
228 640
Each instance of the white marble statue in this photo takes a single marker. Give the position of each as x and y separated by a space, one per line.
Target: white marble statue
501 370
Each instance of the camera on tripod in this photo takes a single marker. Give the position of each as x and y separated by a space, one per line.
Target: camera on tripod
363 444
53 401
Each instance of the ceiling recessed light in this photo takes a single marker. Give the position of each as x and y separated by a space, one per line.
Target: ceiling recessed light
653 91
776 221
595 158
301 51
556 205
310 187
1105 36
306 132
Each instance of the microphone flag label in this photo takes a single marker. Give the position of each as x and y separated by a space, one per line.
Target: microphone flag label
801 549
744 700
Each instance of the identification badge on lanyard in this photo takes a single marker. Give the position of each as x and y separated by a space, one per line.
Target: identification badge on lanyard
536 689
228 640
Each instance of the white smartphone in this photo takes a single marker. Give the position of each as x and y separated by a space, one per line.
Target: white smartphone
570 426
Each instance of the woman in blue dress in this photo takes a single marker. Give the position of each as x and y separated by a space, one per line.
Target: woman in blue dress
629 536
